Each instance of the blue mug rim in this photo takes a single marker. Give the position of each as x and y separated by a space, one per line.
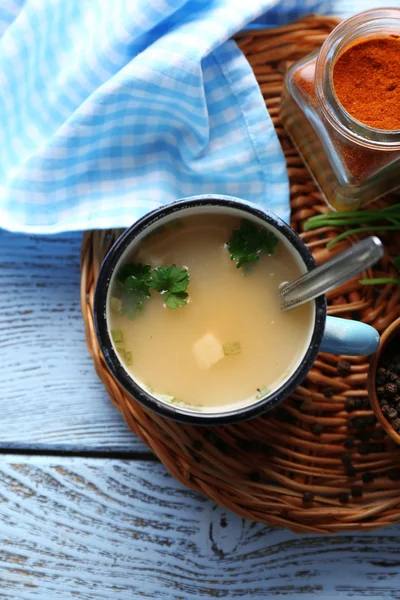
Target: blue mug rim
128 383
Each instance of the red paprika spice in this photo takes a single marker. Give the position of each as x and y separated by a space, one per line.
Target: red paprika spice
366 80
341 107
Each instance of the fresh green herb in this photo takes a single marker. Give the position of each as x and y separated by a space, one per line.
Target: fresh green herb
116 304
249 242
174 401
172 282
384 280
385 219
128 357
261 392
380 281
132 288
141 273
232 348
134 282
117 336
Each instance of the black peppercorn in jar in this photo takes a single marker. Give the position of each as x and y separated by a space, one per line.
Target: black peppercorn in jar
350 142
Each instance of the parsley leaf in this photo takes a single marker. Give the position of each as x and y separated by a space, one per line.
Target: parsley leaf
249 242
135 281
173 282
175 299
140 272
169 279
132 287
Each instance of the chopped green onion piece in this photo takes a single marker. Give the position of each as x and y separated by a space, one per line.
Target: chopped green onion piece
232 348
128 357
261 392
117 336
116 304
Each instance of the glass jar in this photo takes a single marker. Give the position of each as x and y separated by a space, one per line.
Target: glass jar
351 162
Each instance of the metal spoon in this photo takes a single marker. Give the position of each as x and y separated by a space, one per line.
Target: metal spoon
331 274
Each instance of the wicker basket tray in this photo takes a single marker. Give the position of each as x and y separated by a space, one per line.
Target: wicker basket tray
319 462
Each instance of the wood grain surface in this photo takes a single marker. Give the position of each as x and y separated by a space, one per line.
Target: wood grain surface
95 529
49 392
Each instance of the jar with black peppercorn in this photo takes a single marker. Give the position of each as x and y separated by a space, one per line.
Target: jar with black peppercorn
384 381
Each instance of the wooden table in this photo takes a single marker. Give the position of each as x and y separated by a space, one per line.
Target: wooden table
87 512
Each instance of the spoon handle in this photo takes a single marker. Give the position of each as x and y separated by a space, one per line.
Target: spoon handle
332 273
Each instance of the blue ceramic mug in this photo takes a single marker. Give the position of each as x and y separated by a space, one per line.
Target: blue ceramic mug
329 334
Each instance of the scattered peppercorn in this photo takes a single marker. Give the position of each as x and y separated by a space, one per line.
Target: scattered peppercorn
197 444
328 391
346 458
210 436
376 448
350 471
358 402
392 413
378 434
380 380
317 428
363 448
365 404
364 436
343 367
356 491
281 414
222 446
349 441
394 474
308 497
368 477
349 405
370 420
343 497
391 389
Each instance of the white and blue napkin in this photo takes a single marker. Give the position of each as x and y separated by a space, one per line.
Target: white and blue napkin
110 108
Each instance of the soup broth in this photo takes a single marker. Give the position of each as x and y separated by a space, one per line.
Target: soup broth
231 344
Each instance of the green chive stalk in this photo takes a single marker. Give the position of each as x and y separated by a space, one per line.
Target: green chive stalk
385 219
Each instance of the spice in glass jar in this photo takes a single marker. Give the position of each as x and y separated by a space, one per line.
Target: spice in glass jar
341 108
366 81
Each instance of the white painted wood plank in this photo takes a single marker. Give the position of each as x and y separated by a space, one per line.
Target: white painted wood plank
49 392
97 529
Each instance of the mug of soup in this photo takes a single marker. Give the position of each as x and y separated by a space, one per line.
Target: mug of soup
188 318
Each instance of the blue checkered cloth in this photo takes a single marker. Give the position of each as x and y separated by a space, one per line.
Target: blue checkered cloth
110 108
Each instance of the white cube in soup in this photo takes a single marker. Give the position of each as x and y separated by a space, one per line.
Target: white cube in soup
207 351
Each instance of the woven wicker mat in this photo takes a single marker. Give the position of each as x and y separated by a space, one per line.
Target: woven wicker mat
308 464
